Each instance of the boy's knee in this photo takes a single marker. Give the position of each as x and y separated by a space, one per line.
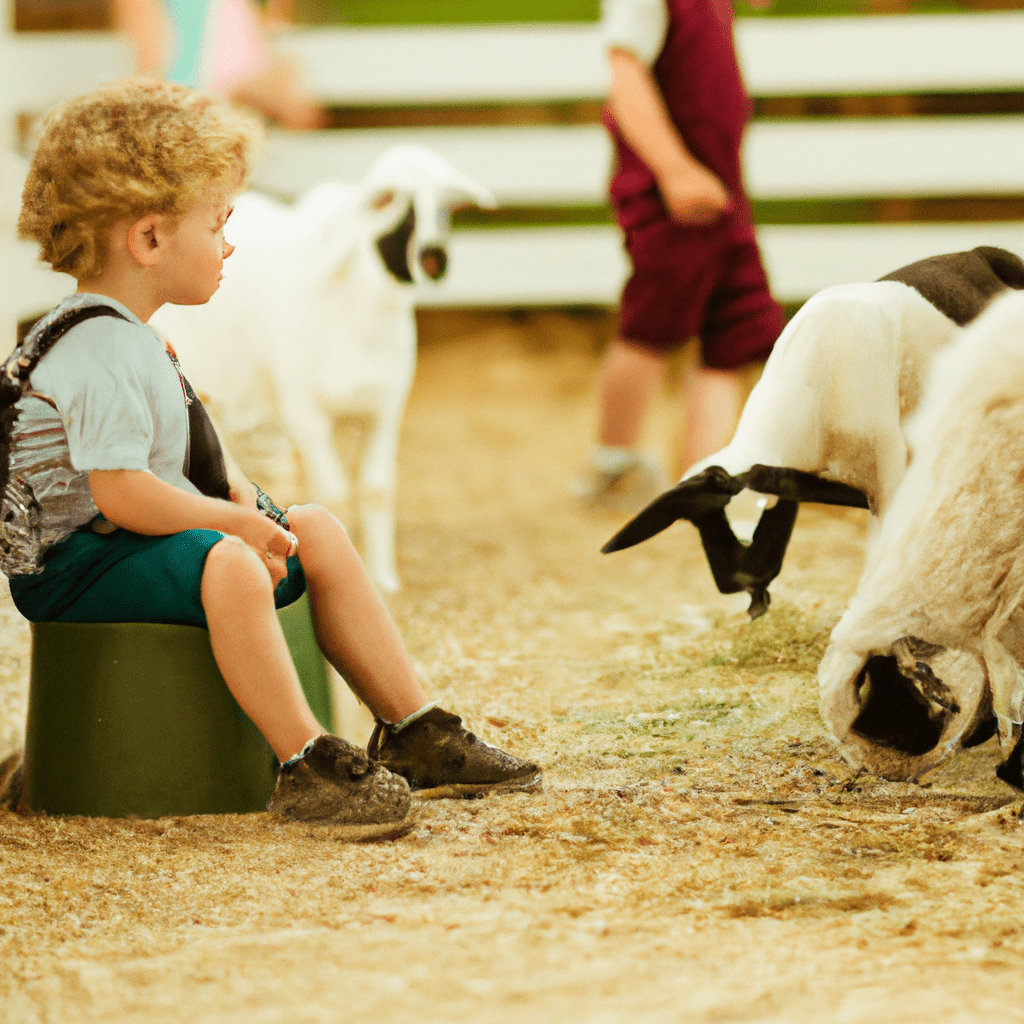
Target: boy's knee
231 559
311 517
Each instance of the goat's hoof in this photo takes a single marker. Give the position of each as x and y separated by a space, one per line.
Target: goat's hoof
760 599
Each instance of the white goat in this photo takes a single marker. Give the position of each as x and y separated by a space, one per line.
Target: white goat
825 421
316 303
931 642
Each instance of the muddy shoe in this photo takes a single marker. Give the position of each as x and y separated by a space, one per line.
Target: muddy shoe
12 780
441 758
334 782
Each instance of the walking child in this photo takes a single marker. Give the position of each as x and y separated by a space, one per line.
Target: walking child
676 112
114 512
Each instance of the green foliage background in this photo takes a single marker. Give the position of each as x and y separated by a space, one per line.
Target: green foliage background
453 12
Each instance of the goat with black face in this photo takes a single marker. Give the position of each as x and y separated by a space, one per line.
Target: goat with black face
825 423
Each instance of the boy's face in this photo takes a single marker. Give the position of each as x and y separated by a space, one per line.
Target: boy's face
196 251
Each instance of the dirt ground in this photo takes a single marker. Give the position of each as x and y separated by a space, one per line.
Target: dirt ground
699 852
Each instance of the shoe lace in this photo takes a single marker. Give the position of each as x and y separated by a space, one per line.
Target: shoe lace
376 739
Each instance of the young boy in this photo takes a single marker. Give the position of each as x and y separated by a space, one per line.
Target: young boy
129 191
676 113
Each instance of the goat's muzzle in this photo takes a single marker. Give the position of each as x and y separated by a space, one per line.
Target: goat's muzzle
434 261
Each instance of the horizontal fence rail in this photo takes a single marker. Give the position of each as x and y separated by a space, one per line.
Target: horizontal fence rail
586 265
779 56
812 158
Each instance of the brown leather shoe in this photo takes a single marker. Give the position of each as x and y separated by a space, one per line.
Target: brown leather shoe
441 758
12 778
336 783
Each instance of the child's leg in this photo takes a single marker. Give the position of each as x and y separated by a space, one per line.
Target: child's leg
713 400
621 477
250 648
431 749
629 376
353 627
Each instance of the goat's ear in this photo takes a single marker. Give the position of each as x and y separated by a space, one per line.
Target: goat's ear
379 200
469 193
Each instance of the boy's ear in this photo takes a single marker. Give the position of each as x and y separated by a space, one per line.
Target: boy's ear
146 239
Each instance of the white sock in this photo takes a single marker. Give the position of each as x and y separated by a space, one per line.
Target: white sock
612 459
302 753
409 719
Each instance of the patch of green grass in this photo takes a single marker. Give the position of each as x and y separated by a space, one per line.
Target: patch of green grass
782 639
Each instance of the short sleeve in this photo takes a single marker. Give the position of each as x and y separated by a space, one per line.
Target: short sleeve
97 377
639 26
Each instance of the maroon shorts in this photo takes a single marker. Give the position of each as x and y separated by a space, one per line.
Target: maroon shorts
706 282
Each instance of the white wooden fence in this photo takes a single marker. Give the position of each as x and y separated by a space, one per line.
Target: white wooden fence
785 159
38 70
568 166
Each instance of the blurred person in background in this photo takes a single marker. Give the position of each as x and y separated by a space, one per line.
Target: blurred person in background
676 113
219 46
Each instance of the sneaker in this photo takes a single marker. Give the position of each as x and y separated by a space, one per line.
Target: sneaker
334 782
627 490
441 758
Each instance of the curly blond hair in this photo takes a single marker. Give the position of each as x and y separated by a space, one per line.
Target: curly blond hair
128 149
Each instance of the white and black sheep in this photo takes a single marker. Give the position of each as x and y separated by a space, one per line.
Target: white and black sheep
314 322
932 642
825 421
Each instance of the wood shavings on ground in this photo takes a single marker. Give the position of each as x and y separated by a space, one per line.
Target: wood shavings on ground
700 853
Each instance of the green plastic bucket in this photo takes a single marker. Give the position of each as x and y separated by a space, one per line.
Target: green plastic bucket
135 719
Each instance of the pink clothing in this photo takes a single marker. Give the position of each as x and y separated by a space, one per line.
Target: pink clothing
236 49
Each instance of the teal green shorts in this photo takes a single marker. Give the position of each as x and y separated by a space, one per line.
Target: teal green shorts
127 577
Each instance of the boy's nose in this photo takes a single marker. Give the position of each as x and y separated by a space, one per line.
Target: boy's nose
228 249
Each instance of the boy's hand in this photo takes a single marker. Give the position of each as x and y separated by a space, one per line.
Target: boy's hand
692 194
271 542
137 500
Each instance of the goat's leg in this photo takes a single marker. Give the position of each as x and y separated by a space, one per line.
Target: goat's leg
762 559
796 485
377 480
311 432
1011 771
723 550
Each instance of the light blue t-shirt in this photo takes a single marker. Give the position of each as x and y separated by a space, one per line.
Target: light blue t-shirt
106 396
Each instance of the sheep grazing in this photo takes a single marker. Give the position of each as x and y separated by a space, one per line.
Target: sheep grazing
314 323
825 421
932 642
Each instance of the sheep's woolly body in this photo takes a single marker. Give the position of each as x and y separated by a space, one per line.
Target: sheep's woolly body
947 566
836 409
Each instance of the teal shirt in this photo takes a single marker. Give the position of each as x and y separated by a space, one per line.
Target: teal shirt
190 19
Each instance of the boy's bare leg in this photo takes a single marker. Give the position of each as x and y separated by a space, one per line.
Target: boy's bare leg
434 752
629 376
352 624
713 399
250 648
